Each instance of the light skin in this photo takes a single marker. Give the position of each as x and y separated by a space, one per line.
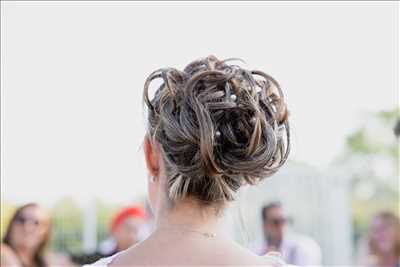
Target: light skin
384 236
274 227
177 238
26 237
8 257
127 233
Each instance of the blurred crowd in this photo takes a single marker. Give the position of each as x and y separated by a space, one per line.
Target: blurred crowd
25 242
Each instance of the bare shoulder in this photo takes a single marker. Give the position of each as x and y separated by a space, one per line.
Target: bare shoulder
192 254
8 257
134 255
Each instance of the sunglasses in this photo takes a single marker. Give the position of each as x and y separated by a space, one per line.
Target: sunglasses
277 221
24 220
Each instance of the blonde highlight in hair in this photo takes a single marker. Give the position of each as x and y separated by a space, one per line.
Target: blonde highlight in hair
219 127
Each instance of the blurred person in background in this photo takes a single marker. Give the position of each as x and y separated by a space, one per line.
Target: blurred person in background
382 246
295 248
128 226
26 239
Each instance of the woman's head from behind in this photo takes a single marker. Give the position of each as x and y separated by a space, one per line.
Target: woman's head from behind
212 128
29 229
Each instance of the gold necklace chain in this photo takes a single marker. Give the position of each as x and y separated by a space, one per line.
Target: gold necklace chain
205 234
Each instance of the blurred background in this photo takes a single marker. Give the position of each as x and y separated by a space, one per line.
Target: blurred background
72 123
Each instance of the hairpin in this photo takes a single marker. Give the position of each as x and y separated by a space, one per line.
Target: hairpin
233 97
279 130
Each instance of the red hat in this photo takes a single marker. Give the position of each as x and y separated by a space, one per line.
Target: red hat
129 212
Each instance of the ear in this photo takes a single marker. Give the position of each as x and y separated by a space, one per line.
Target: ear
152 156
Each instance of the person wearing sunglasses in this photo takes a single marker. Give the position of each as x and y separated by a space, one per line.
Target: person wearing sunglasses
26 238
296 249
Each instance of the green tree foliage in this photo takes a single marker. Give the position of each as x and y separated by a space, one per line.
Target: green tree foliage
366 141
66 226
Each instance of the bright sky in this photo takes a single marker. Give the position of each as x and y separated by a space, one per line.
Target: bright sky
72 76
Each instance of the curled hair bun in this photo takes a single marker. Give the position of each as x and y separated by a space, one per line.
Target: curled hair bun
220 126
